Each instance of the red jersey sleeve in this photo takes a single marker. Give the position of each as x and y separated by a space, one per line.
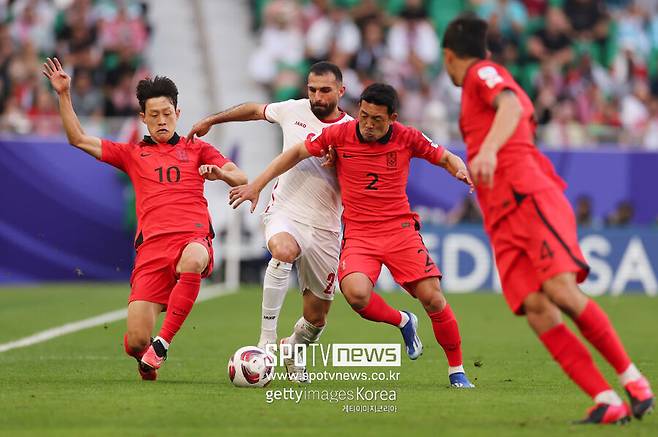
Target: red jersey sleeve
425 148
489 81
317 146
116 154
210 155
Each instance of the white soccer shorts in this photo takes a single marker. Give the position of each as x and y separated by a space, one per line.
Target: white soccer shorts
317 265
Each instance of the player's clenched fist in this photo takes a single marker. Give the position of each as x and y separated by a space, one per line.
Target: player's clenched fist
211 172
239 194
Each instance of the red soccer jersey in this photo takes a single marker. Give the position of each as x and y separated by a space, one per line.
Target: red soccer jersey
522 169
168 187
373 176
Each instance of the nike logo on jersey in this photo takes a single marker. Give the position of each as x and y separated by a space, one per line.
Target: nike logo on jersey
345 155
144 154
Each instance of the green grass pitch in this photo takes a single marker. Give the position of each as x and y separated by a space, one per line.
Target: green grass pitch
83 384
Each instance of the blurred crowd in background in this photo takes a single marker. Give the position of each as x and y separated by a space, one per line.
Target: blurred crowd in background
590 66
100 43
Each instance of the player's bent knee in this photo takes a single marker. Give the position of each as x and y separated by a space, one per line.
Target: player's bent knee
137 341
357 299
285 252
564 292
541 313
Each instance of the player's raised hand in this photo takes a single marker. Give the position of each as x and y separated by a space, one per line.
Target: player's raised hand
60 81
239 194
329 158
211 172
199 129
483 167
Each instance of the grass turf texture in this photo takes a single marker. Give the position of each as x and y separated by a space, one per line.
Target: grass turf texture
83 384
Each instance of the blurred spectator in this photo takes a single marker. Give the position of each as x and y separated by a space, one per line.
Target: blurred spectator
583 211
333 36
100 41
121 101
467 212
651 133
510 16
280 51
588 18
87 100
536 8
634 112
413 47
33 24
551 44
622 216
564 130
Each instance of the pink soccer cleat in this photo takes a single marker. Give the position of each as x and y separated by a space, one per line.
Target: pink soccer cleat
155 355
607 414
641 396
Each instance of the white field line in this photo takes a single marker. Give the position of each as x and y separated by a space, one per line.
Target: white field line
112 316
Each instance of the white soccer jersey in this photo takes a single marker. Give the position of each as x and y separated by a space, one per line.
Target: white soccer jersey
307 193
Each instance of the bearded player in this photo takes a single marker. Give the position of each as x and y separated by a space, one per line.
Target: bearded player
302 220
174 233
372 165
532 226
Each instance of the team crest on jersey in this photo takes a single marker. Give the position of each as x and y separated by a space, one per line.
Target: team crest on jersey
392 159
181 154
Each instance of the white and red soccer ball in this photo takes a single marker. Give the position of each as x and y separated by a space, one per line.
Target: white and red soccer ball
250 367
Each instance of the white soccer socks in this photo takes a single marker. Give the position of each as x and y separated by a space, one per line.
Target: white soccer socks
275 286
305 332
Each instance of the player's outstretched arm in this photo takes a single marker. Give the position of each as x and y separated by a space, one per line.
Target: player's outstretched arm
241 112
508 115
281 164
229 173
456 167
61 83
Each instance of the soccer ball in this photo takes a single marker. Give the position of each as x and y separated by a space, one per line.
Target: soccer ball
250 367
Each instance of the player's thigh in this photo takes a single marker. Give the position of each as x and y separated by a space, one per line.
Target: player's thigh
194 258
517 273
360 255
317 267
154 274
409 260
542 314
315 309
282 237
552 236
142 316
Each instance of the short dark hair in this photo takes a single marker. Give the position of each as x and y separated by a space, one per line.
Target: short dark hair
466 35
324 67
159 86
381 94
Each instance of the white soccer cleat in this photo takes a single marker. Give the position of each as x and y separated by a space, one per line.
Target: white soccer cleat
296 374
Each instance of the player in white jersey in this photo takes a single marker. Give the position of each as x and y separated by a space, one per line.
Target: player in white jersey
302 220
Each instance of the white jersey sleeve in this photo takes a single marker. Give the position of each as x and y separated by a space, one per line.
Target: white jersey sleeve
276 112
307 193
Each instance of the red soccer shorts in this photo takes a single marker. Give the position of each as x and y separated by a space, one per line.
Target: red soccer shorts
154 275
398 245
536 242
